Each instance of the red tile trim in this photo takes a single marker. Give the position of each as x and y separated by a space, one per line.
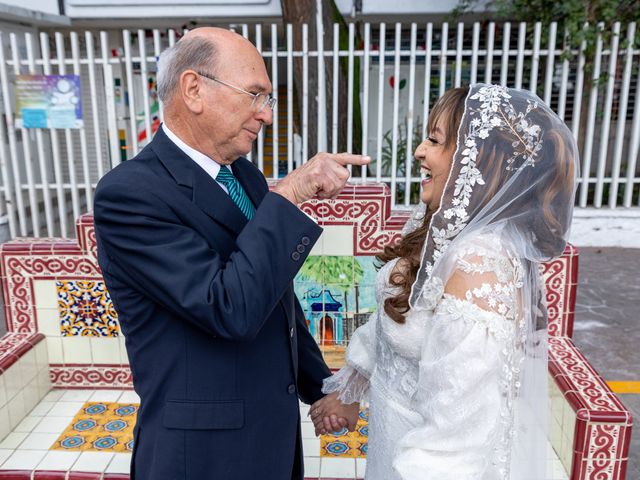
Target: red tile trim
602 433
7 361
86 235
49 475
10 342
84 476
15 475
573 288
19 270
14 345
573 373
561 290
76 376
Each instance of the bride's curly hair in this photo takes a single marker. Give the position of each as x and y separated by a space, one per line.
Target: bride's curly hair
449 108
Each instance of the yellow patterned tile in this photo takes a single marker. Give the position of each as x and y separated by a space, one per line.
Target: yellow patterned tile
347 444
86 309
100 426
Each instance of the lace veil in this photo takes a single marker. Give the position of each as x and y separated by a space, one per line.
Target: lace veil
513 177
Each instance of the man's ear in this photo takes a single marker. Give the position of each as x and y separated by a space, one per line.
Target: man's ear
190 86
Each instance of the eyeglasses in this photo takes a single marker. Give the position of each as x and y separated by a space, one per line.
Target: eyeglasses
260 100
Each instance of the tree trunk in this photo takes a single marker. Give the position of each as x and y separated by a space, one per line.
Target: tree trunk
297 13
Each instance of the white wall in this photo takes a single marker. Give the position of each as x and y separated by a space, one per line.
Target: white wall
378 7
171 8
43 6
236 9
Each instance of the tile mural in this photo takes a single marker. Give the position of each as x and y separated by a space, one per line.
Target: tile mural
86 309
337 295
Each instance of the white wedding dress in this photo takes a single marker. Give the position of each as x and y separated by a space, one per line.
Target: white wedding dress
460 390
441 387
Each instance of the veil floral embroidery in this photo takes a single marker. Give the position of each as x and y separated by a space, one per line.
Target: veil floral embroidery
495 111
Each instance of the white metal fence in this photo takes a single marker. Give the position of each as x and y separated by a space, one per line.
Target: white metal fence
48 176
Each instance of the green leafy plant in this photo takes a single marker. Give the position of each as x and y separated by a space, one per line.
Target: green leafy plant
571 16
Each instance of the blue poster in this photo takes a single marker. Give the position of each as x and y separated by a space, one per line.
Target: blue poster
48 101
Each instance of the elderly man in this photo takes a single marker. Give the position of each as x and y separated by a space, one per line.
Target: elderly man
199 260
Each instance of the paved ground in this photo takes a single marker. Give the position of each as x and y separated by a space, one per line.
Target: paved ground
606 327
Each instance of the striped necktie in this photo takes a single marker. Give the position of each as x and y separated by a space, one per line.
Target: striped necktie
236 192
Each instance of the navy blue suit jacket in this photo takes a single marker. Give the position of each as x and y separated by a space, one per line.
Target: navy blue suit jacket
217 342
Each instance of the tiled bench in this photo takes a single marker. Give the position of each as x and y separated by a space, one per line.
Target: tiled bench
48 283
24 377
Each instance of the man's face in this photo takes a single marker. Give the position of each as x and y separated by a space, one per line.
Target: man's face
231 118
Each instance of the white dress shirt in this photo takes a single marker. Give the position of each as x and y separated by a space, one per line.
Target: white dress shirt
208 164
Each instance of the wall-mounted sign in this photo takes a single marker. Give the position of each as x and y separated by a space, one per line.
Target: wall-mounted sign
48 101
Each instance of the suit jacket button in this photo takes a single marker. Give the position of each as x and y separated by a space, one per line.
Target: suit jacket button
305 241
300 248
291 332
295 256
291 389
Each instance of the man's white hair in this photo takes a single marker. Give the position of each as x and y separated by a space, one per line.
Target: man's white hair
190 53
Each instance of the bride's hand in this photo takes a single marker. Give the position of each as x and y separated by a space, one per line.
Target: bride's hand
331 415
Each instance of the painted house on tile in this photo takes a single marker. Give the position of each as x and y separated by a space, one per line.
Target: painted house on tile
64 372
325 312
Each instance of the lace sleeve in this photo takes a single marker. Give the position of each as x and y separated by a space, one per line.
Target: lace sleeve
352 381
468 374
352 385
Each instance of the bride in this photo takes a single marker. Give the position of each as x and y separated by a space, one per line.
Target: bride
453 364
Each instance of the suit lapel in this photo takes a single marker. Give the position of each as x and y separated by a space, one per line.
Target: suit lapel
205 191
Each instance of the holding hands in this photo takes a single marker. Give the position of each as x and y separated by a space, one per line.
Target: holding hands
331 415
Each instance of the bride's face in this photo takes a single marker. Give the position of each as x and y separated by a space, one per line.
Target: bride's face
435 163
